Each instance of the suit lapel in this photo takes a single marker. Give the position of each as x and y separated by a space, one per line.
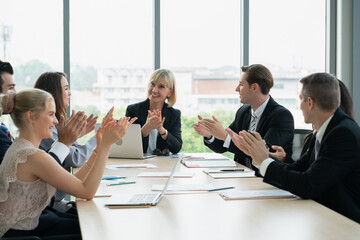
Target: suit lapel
247 117
269 107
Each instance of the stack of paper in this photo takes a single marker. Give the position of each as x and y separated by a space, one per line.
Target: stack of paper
167 174
119 166
230 173
256 194
204 160
183 187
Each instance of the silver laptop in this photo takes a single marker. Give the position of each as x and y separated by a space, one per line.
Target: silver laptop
144 199
130 146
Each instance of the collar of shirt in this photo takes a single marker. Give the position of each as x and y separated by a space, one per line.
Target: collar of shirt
320 133
260 109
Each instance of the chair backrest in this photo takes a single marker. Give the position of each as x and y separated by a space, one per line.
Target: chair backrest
298 142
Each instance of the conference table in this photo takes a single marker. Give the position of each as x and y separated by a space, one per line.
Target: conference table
203 214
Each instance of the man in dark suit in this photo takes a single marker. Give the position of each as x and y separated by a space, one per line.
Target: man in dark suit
329 171
259 113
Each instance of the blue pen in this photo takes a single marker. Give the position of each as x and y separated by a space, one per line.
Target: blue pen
218 189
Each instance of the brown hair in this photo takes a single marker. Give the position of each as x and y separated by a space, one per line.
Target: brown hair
323 88
259 74
51 82
346 101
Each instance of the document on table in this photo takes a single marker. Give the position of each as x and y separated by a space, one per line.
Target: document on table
230 173
167 174
209 163
256 194
204 157
118 166
183 187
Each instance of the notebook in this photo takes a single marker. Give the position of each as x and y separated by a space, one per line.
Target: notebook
130 145
145 199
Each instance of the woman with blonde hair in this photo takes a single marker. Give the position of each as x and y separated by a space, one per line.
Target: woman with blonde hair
160 122
29 176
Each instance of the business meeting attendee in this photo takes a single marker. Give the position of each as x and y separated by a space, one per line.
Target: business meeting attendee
160 122
329 172
29 176
259 112
346 104
69 132
57 85
6 84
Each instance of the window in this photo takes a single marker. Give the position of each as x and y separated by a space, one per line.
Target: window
31 39
289 38
114 39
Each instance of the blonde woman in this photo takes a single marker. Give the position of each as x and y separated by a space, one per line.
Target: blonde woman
160 122
29 176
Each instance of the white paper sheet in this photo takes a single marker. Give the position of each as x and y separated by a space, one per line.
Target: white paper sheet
167 174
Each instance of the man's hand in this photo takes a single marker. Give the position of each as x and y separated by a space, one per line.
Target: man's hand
201 129
215 128
280 154
71 129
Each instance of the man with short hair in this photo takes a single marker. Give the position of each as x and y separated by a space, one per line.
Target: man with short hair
259 112
329 172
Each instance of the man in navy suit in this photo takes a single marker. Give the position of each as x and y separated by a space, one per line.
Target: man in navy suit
259 112
329 171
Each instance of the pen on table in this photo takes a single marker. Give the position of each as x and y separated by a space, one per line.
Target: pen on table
218 189
233 170
112 178
121 183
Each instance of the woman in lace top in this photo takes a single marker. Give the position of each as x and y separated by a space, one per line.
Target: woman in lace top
29 176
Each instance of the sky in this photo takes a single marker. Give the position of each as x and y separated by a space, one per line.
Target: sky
201 33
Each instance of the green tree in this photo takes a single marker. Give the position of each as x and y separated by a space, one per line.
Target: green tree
83 77
26 74
192 142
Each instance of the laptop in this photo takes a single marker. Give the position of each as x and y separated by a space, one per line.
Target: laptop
130 145
145 199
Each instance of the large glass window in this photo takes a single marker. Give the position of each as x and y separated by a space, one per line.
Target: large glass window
31 39
289 38
111 51
200 42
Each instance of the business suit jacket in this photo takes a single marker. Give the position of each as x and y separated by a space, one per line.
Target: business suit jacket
276 127
172 124
333 179
5 143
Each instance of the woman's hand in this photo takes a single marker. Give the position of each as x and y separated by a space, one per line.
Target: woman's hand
115 130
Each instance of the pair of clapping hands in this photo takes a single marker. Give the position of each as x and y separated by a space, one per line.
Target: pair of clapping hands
250 143
154 121
78 125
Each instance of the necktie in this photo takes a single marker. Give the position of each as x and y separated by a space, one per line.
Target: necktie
253 123
317 147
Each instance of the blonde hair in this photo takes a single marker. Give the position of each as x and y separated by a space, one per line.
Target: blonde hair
33 100
170 81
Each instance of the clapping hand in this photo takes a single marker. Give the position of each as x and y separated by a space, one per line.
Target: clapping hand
71 129
251 144
201 129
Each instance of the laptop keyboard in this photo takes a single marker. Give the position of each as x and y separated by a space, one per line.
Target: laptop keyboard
143 198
